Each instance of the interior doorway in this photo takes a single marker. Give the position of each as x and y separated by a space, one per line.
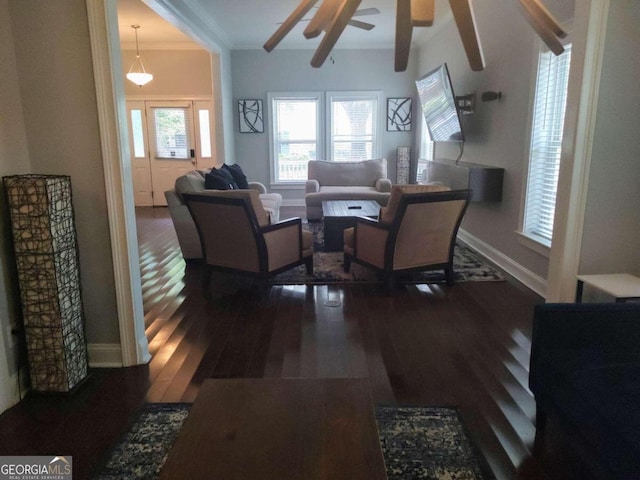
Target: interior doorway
167 139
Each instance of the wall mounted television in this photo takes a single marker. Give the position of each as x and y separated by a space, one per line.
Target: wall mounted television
439 106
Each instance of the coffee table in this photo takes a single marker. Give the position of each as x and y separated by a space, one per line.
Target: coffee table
341 214
279 429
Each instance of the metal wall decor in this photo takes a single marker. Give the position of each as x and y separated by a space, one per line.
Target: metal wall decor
46 252
399 114
403 165
250 116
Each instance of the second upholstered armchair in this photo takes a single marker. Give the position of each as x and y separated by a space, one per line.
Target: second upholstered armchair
416 231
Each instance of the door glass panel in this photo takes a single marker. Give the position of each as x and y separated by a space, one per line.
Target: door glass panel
138 134
171 132
205 133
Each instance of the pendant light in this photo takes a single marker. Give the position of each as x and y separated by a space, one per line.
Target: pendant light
137 74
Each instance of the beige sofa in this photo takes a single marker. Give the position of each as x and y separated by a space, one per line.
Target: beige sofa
365 180
193 182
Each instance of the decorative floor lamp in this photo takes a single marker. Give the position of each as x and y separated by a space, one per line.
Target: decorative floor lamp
46 252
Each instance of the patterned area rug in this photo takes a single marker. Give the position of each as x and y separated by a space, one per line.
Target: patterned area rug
328 267
417 443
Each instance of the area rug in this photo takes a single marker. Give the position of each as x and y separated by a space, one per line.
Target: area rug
418 443
328 267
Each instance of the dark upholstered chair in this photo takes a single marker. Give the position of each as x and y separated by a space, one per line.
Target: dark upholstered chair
416 231
585 375
236 235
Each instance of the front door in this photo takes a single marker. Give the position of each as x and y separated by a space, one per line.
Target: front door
168 139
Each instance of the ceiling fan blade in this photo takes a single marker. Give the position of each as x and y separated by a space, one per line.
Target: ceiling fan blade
404 29
338 25
543 31
544 16
422 12
366 11
289 23
362 25
463 15
322 18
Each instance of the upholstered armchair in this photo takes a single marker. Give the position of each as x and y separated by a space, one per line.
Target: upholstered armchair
415 231
236 236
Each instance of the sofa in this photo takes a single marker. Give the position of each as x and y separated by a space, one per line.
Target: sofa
585 375
364 180
194 182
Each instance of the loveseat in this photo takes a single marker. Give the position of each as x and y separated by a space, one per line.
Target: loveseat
585 374
365 180
194 182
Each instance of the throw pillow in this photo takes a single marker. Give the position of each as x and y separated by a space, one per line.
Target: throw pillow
219 179
238 175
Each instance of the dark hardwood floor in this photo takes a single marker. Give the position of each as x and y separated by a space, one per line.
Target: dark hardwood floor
465 346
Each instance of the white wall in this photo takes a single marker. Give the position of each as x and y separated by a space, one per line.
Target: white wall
497 133
611 236
256 72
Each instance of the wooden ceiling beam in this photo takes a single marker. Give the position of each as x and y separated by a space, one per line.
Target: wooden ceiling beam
292 20
339 23
463 15
422 13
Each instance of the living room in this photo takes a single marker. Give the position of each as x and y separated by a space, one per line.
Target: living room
43 89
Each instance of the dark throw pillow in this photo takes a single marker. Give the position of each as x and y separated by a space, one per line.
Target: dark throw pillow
219 179
238 175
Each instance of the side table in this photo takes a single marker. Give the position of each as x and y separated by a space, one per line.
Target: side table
621 286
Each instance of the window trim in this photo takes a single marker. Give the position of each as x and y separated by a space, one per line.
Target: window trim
376 95
318 96
527 239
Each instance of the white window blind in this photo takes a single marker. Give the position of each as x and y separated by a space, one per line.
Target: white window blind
546 144
353 126
295 137
172 127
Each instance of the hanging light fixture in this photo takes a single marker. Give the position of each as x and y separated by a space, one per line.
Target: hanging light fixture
137 74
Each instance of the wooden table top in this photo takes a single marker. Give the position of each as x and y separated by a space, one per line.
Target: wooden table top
279 429
350 208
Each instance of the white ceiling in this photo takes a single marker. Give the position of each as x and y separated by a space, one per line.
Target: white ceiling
247 24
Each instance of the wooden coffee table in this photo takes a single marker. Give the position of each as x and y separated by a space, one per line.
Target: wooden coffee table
279 429
341 214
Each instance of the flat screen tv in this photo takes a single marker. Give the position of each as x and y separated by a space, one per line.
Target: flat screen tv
439 106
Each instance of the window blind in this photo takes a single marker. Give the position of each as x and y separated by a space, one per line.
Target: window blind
353 131
546 144
295 137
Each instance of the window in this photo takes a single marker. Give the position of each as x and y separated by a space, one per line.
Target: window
426 152
297 130
353 125
172 132
294 135
546 145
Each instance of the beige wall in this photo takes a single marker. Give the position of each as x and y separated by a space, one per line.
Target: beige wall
175 72
14 159
48 93
497 133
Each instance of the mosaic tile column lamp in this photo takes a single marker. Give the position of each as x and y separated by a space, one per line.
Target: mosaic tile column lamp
46 252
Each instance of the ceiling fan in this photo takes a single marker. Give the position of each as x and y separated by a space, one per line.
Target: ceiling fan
355 23
334 15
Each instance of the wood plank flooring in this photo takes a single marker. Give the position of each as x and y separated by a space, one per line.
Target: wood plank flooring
465 346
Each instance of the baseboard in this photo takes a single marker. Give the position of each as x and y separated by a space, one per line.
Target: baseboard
105 355
520 273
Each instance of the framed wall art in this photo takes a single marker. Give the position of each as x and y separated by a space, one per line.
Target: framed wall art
399 114
251 116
